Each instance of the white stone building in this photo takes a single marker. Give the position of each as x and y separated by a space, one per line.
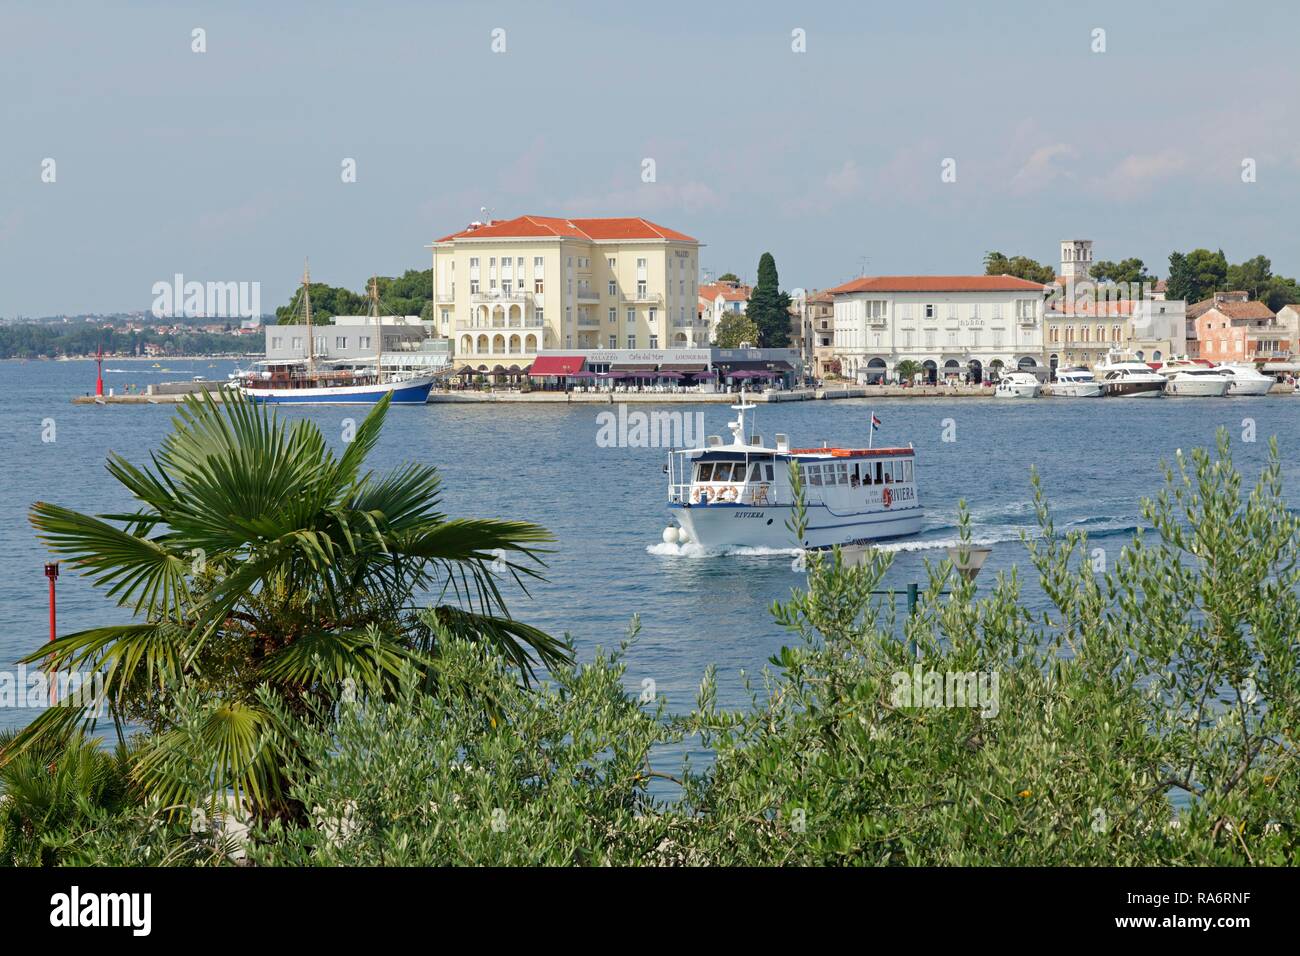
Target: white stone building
953 326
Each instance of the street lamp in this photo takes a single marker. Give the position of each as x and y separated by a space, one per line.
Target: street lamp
968 559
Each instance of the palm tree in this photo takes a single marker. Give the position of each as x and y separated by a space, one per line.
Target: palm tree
256 558
907 369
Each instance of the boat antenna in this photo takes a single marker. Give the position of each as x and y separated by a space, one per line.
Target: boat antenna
738 426
379 329
306 300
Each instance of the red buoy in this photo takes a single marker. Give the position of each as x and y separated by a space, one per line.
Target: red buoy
99 371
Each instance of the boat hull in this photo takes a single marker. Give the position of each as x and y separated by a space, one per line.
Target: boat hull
1250 388
410 392
1078 390
1204 388
1134 389
748 526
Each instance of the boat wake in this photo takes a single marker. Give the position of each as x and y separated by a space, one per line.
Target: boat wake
693 550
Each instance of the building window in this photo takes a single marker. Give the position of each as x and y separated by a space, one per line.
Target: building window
539 315
631 316
473 262
538 286
276 343
613 264
640 289
297 342
631 341
473 286
613 341
613 287
997 310
653 316
340 341
363 342
654 341
505 286
929 312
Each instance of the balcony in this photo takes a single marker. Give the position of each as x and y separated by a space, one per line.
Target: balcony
588 295
647 297
588 323
499 296
444 297
487 325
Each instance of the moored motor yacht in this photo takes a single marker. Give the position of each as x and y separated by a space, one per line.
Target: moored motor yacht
1246 379
740 495
1018 385
1195 381
1125 376
1076 383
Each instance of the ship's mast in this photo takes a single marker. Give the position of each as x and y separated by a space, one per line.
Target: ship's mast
379 330
306 299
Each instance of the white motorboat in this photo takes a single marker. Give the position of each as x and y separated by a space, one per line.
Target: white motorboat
1246 380
1195 381
1018 385
1076 383
739 494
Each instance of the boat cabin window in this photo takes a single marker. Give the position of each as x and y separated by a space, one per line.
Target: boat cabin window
768 470
814 475
755 472
842 473
724 471
704 472
889 472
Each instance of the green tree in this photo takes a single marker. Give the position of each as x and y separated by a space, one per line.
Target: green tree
1197 275
907 369
1022 267
256 557
1254 276
769 307
1130 273
733 329
729 277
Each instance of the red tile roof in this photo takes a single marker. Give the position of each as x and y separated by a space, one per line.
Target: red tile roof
937 284
732 293
1243 310
549 227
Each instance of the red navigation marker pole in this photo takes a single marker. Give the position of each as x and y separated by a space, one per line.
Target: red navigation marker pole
52 572
99 391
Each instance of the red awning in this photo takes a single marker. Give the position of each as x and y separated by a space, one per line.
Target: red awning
556 365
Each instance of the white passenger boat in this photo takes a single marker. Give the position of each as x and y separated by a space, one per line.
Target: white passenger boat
739 494
1018 385
1077 383
1246 380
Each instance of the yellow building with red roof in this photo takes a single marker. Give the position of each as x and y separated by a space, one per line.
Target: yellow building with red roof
505 290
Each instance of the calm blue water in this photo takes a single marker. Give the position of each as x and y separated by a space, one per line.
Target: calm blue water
606 506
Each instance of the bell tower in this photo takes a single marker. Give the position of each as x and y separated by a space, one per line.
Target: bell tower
1076 258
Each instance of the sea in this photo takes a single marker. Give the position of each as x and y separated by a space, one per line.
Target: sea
606 505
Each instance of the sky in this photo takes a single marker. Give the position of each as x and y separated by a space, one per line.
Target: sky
226 165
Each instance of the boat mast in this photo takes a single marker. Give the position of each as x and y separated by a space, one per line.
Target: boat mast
306 299
379 330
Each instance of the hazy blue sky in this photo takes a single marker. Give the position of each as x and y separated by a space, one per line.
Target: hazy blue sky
226 165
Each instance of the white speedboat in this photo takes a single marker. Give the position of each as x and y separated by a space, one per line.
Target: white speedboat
1077 383
1018 385
1195 381
739 494
1246 380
